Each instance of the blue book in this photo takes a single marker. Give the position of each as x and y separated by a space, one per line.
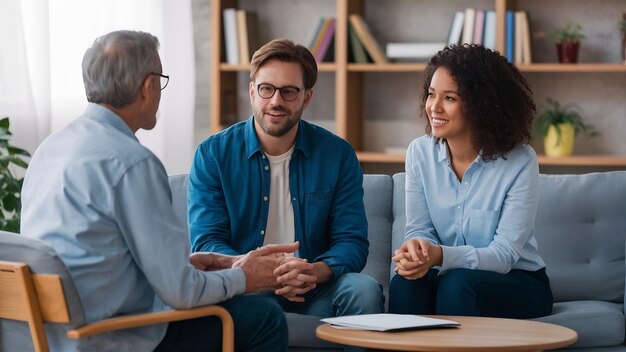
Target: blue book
510 35
489 38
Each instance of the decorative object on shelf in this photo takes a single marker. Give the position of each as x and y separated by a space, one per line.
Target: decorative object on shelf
567 38
622 30
559 126
10 185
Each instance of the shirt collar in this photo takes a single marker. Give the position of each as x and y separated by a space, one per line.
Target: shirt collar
253 145
103 115
443 154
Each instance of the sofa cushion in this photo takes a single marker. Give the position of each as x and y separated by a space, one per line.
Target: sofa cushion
378 193
580 230
597 323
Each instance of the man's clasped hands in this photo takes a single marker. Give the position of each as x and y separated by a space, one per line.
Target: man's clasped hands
271 267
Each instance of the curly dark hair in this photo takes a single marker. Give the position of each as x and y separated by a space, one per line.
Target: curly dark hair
497 101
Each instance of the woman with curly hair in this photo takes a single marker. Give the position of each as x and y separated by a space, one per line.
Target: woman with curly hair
472 195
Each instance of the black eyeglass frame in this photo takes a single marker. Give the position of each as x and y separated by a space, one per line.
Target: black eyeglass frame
298 90
161 75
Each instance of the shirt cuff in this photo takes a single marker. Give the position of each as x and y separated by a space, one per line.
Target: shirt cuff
235 282
458 257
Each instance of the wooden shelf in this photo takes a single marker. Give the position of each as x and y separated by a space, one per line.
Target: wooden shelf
404 67
539 67
380 157
583 160
350 81
577 160
555 67
322 67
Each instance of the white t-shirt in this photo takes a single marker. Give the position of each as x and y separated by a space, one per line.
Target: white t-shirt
280 225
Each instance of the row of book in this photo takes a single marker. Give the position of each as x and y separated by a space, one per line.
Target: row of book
470 26
518 46
474 26
321 41
240 39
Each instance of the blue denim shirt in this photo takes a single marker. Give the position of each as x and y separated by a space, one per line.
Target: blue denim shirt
485 221
229 189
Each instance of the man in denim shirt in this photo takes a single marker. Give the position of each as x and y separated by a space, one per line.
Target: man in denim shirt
275 178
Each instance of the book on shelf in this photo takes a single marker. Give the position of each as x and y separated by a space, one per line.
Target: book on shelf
231 39
527 56
456 28
367 39
517 46
489 37
326 41
510 36
320 36
314 31
247 34
468 26
358 52
479 26
416 51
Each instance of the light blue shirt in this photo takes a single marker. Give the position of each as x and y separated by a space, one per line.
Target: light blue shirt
103 201
484 222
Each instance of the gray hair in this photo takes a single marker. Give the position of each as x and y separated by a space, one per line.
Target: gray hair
116 65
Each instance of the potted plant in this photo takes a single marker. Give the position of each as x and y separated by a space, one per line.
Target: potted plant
559 126
10 184
567 39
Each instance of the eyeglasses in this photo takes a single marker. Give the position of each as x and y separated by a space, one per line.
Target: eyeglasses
267 91
164 79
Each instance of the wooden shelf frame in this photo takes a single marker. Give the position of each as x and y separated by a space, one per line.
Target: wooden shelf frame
350 77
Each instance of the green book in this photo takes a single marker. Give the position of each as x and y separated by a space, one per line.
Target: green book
358 52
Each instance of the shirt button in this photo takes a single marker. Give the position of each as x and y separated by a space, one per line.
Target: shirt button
265 198
262 156
266 167
458 207
262 232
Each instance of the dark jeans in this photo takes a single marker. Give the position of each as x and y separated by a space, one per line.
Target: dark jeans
518 294
260 325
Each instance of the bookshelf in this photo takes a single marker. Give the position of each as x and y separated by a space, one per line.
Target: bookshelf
351 101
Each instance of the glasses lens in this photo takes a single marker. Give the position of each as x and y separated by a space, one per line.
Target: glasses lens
164 82
266 91
289 93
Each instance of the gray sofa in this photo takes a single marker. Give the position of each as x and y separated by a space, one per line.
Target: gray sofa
581 232
580 228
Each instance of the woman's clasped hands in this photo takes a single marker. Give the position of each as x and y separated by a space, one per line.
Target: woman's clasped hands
415 257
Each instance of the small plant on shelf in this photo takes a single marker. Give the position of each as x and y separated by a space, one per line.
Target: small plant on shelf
567 39
10 184
559 125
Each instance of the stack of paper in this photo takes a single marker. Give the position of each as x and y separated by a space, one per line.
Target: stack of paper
388 322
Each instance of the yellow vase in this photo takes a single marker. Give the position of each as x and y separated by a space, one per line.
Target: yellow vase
563 146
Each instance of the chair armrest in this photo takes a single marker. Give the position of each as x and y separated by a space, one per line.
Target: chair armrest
137 320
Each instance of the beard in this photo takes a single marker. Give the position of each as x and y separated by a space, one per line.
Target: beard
290 119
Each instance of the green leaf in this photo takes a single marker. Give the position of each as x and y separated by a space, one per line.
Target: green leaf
9 202
17 151
4 123
19 162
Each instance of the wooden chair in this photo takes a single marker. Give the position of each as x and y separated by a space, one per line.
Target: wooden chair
41 298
